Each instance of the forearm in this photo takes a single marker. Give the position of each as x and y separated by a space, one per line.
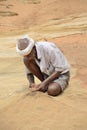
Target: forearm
51 78
30 78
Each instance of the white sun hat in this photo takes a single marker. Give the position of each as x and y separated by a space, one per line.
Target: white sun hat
28 49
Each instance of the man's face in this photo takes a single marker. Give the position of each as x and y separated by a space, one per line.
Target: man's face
23 43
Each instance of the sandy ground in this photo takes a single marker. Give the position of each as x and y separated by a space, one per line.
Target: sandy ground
21 109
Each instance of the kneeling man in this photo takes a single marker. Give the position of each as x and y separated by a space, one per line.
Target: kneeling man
45 61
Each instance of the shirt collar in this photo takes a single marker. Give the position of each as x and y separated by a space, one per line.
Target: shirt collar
38 51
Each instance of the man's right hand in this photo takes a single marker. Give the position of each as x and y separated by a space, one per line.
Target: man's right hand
31 85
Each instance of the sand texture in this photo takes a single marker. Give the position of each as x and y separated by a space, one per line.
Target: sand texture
64 23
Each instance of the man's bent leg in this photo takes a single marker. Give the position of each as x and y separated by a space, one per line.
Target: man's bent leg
54 89
59 84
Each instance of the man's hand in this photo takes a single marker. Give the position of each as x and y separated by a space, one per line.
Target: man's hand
31 85
39 87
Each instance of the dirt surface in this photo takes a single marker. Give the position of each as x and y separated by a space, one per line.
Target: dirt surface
64 23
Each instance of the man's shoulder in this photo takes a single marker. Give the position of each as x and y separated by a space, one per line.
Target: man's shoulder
46 44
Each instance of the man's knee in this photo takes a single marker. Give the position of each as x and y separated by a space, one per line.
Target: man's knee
54 89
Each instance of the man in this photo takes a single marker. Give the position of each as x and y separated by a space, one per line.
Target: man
47 63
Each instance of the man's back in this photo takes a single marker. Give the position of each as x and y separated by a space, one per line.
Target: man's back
51 58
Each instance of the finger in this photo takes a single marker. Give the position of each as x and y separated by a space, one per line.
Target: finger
35 89
33 85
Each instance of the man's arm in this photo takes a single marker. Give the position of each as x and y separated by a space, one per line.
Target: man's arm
51 78
30 78
47 81
33 67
